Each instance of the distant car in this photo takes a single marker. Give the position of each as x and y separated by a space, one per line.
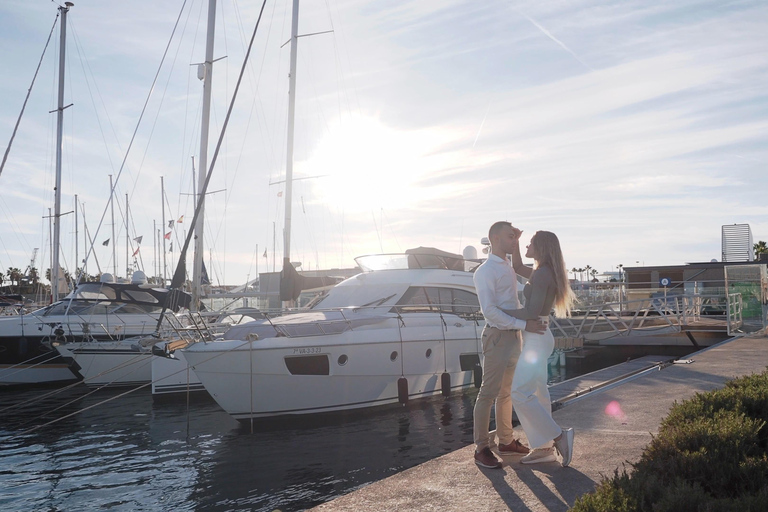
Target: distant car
714 309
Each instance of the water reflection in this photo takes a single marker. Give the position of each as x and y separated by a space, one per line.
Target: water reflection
293 468
132 454
129 453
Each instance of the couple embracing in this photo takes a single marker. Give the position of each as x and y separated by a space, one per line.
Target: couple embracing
516 345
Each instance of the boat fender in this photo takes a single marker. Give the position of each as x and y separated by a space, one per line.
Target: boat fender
478 376
445 383
402 390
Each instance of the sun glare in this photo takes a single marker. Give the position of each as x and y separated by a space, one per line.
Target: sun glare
366 165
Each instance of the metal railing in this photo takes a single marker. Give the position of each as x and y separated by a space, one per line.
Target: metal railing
735 309
640 317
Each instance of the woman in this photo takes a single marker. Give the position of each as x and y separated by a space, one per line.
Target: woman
547 288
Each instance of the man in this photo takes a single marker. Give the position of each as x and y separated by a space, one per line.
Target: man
496 284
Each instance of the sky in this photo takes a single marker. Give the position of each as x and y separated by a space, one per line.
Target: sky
633 130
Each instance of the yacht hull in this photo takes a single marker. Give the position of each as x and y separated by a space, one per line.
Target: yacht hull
19 374
173 376
355 369
122 363
31 360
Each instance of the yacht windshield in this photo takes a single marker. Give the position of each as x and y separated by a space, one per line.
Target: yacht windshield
414 260
77 307
378 302
382 262
356 296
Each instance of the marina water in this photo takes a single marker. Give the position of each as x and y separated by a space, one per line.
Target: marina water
131 453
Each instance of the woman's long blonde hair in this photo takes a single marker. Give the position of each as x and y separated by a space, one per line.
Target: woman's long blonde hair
548 252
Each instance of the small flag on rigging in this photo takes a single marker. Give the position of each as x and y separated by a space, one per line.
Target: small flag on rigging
168 235
105 242
181 219
138 239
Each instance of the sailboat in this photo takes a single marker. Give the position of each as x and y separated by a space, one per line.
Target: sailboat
104 311
408 326
32 359
132 361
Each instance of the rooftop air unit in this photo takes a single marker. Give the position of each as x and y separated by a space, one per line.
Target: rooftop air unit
737 243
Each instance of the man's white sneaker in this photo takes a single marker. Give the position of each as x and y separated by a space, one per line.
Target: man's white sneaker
539 455
564 446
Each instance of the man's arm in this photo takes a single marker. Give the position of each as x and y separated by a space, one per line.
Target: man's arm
485 287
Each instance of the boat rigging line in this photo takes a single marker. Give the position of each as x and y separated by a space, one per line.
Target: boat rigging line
94 390
142 386
136 129
29 92
180 274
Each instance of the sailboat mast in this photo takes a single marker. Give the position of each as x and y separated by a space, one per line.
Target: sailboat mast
59 130
127 239
162 203
207 70
114 240
77 261
289 152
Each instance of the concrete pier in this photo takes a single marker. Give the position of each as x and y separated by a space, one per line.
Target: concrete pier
613 424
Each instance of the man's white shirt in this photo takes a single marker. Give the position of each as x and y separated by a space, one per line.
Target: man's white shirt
496 284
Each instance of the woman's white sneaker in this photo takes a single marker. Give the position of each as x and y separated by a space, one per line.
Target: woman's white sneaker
564 446
540 455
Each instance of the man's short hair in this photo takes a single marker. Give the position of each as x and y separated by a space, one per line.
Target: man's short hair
497 227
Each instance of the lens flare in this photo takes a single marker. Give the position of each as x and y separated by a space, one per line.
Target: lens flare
613 409
530 356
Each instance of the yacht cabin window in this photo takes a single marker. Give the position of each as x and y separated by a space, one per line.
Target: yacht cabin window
419 299
140 296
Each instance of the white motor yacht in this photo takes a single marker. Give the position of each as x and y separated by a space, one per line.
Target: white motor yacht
408 326
103 312
155 357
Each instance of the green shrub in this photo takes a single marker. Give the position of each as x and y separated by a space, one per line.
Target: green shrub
711 454
610 496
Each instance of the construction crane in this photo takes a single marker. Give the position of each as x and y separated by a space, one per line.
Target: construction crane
31 261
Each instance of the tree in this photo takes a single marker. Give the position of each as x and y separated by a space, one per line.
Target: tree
84 277
33 276
67 277
15 275
760 248
594 275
